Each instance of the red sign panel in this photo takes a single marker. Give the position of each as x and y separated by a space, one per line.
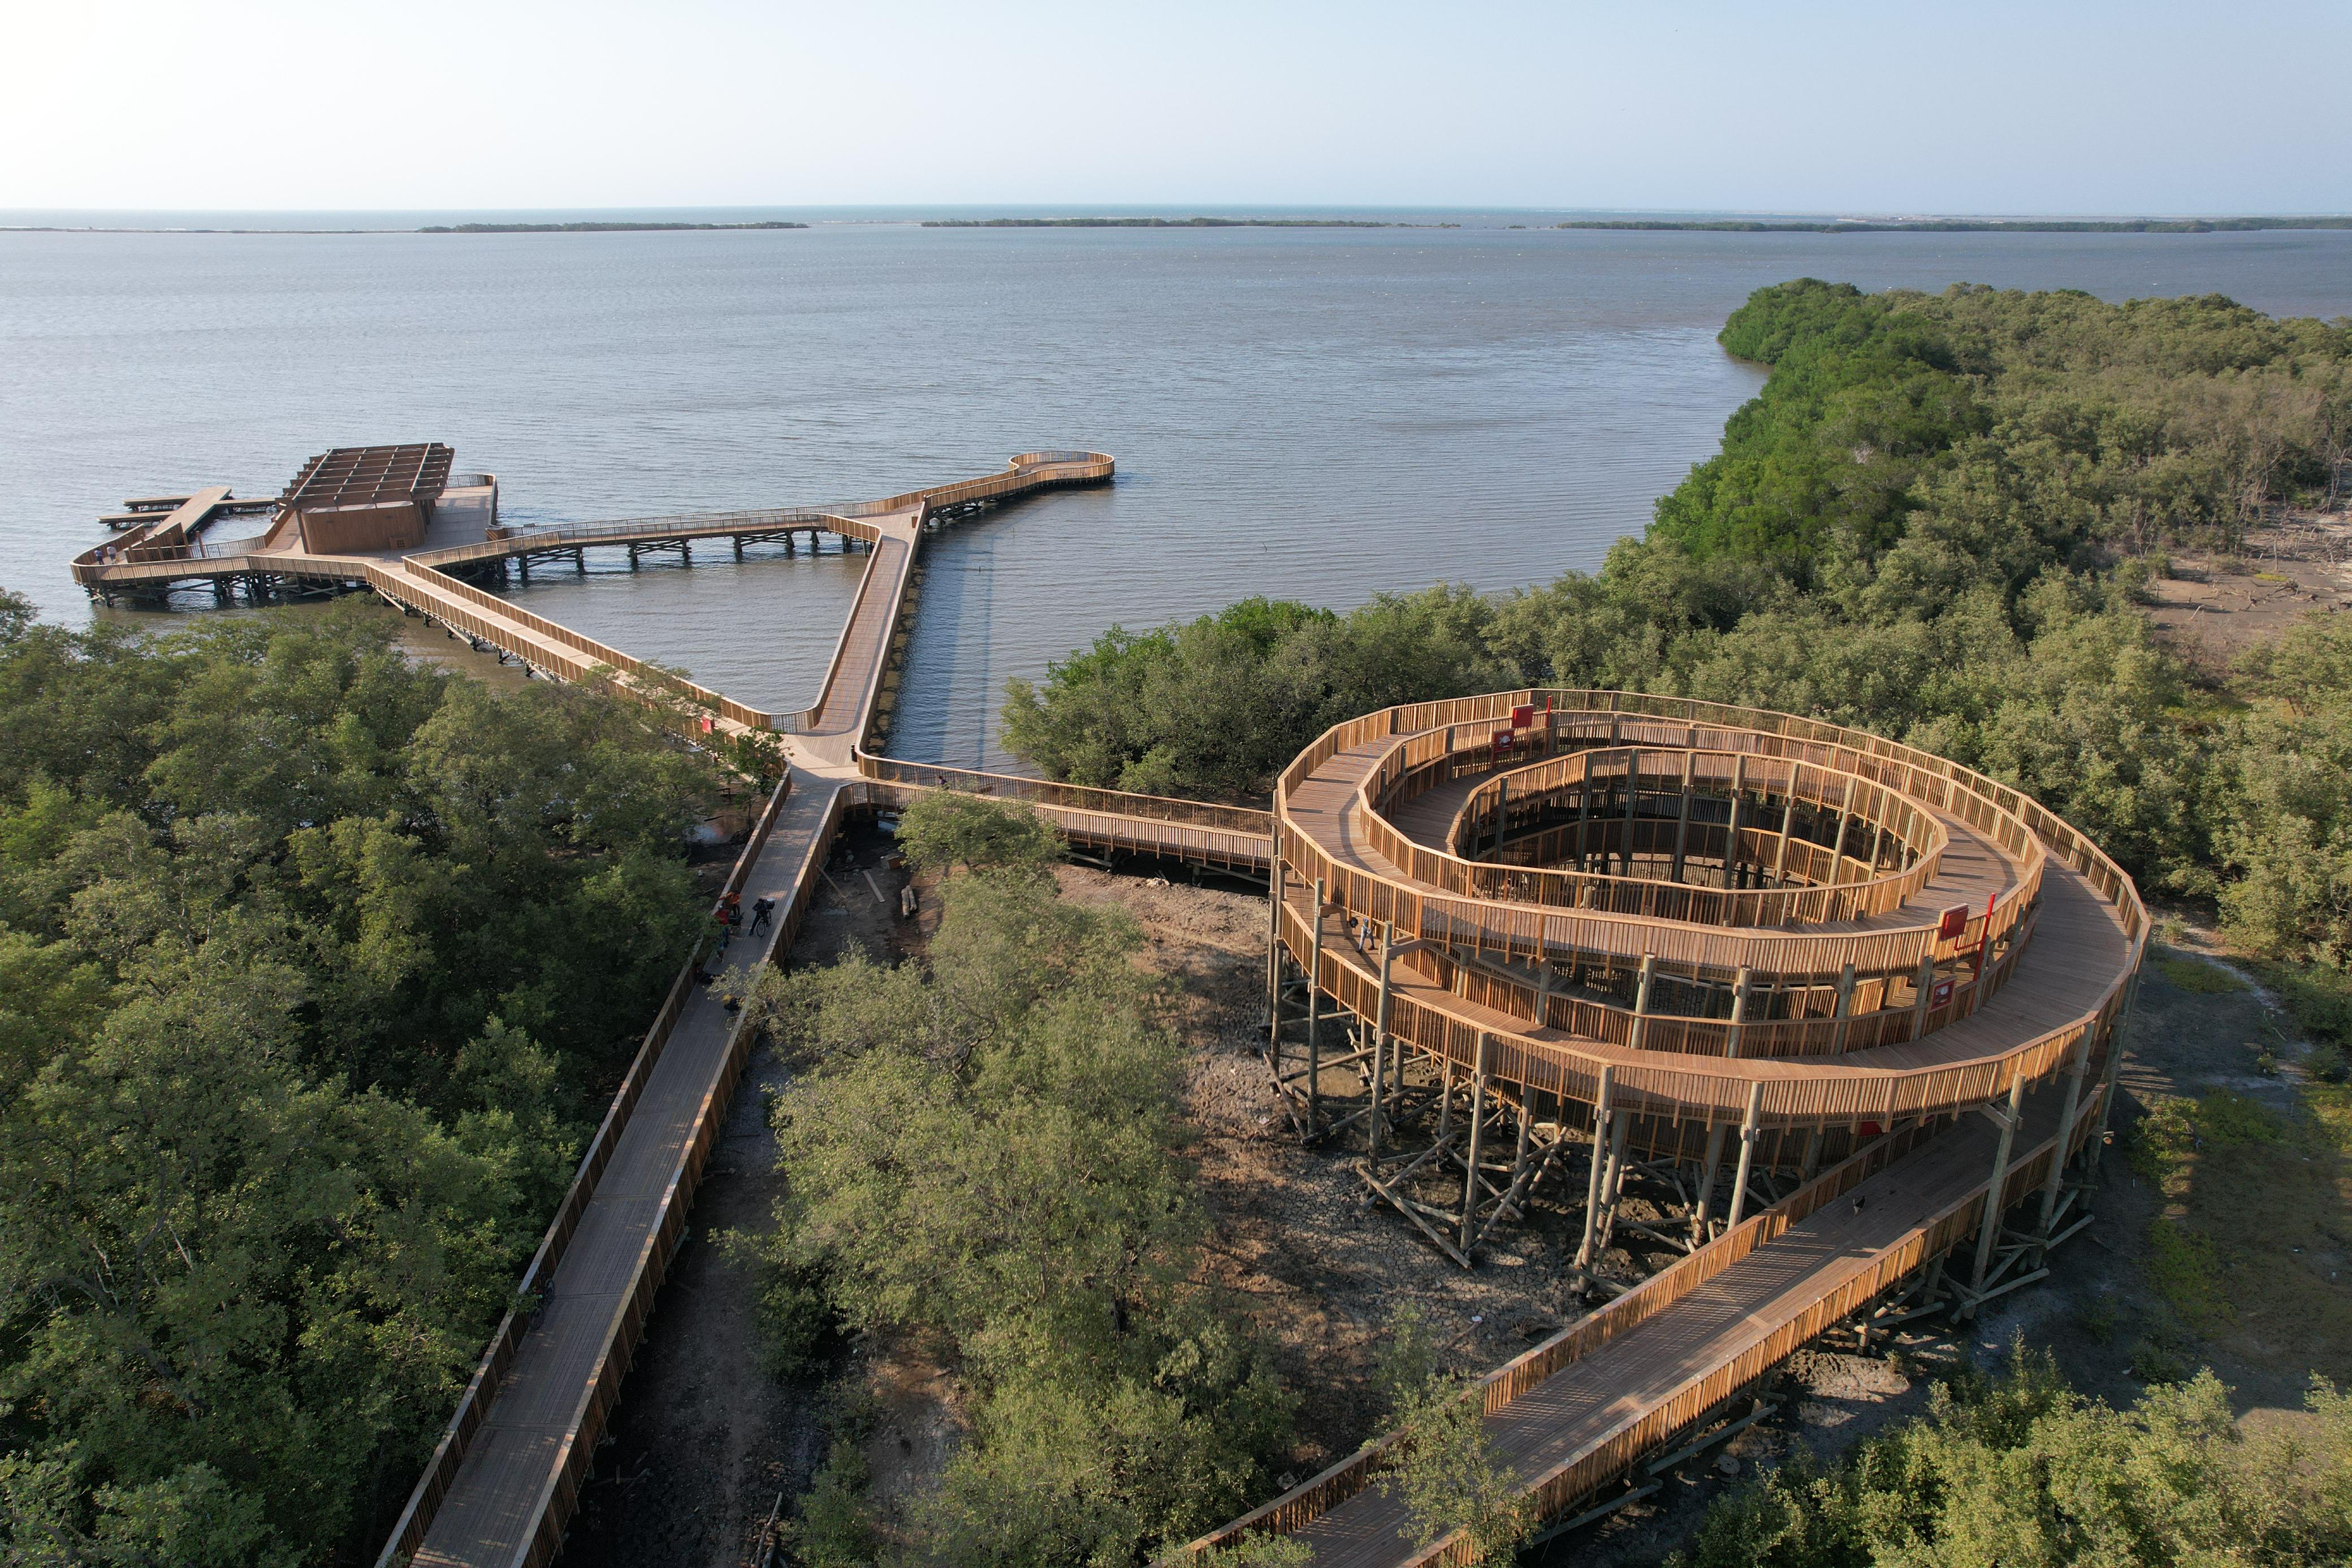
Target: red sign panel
1941 994
1523 715
1954 921
1505 739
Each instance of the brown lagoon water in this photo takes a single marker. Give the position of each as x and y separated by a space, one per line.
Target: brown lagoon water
1322 414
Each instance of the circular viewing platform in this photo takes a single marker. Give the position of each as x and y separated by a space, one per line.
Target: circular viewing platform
1697 916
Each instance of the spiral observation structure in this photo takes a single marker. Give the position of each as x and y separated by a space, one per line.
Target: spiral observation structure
1697 917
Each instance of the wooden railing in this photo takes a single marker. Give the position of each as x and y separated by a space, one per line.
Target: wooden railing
1832 892
1701 1084
1232 836
473 1404
1075 797
1643 1431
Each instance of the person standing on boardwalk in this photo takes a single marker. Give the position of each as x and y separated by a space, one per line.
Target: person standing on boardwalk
761 909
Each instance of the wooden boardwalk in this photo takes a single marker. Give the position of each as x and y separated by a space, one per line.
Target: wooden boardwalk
1978 950
1576 1414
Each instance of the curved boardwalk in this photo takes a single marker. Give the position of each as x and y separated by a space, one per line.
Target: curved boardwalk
1924 1022
1873 993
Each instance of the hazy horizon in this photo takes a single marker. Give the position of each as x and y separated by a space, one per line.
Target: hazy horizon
2102 109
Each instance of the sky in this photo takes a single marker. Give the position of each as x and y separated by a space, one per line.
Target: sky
2060 107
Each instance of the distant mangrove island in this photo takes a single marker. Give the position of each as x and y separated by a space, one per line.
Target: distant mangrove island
610 228
1175 224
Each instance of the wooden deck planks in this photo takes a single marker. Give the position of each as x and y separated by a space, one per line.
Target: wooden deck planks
1580 1406
519 1452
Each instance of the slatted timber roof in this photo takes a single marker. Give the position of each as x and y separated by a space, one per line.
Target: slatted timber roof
369 475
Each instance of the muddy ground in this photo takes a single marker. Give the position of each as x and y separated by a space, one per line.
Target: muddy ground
2212 607
703 1445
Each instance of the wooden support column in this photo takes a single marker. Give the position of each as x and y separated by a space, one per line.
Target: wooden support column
1707 1172
1642 1001
1614 1186
1633 792
1478 1133
1731 832
1315 1022
1583 810
1844 1013
1275 891
1925 983
1748 1133
1600 1112
1737 1039
1988 1228
1788 822
1845 821
2075 1072
1502 811
1682 816
1379 1040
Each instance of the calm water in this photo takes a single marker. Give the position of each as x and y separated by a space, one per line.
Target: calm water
1320 414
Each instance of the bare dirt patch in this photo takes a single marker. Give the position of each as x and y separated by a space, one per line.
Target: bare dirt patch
2213 607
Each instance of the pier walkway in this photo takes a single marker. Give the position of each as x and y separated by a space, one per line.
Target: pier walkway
1855 1002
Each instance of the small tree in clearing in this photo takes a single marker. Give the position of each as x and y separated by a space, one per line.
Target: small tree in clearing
940 829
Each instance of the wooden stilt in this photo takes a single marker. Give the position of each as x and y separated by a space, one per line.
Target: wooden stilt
1315 1021
1642 1001
1731 832
1845 821
1737 1039
1583 810
1706 1210
1633 794
1988 1225
1682 816
1748 1130
2075 1072
1275 891
1614 1186
1593 1183
1380 1042
1477 1133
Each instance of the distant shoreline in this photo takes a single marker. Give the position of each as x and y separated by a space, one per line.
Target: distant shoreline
589 228
1969 225
1179 223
